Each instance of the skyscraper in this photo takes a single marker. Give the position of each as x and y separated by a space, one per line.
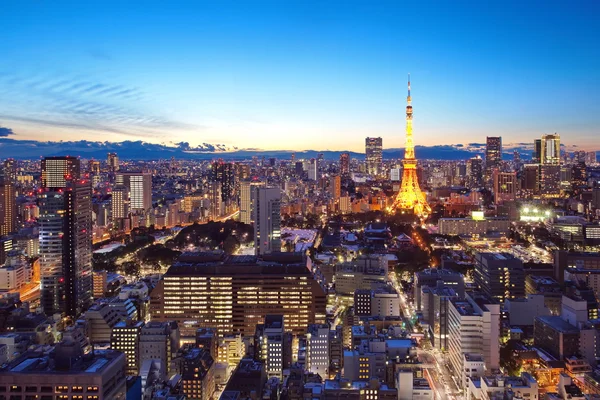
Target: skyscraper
345 164
56 171
313 170
374 156
246 200
493 153
505 186
8 210
335 187
266 214
113 162
410 197
139 185
119 201
550 154
475 172
536 156
224 173
65 235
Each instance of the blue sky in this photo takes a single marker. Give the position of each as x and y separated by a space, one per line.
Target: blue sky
300 74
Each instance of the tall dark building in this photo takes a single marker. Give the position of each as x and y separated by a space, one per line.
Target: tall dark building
374 155
493 153
8 210
65 234
345 164
224 173
475 172
500 275
536 156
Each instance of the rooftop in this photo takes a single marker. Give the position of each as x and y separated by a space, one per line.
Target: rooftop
558 323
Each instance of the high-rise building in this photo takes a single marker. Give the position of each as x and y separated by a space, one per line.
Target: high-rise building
119 202
197 374
591 158
473 335
113 162
216 200
65 236
536 155
8 208
550 180
246 200
242 290
505 186
224 173
335 187
317 349
475 172
266 214
272 343
550 154
125 337
374 156
500 275
158 341
139 185
57 171
493 153
345 164
410 197
313 170
94 167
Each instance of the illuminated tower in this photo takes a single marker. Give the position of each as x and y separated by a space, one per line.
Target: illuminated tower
410 197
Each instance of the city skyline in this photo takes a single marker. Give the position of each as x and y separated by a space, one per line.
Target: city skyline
298 76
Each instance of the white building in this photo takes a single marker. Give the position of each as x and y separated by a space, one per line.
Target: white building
317 349
14 273
139 185
473 328
522 312
273 345
266 214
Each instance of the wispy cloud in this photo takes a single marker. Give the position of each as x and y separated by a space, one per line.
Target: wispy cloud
74 102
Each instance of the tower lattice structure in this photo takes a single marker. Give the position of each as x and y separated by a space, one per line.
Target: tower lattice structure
410 197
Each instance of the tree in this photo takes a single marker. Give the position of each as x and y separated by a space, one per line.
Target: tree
231 245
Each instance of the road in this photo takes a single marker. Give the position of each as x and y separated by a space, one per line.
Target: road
434 362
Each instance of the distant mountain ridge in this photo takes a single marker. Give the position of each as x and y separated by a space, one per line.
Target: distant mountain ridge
139 150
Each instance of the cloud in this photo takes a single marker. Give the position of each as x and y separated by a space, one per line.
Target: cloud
4 132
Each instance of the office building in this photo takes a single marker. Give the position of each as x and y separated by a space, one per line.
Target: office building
434 309
217 207
65 236
246 203
536 155
113 162
197 374
473 335
493 153
125 337
313 170
271 342
475 172
550 180
231 349
266 215
335 187
317 349
550 150
65 373
556 336
242 291
505 186
247 380
8 208
139 186
120 202
57 171
380 302
374 156
474 226
500 275
345 164
224 173
437 278
158 341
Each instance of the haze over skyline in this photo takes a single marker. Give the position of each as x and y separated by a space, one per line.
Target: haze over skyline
301 75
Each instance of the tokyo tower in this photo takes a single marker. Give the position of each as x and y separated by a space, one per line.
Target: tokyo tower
410 197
